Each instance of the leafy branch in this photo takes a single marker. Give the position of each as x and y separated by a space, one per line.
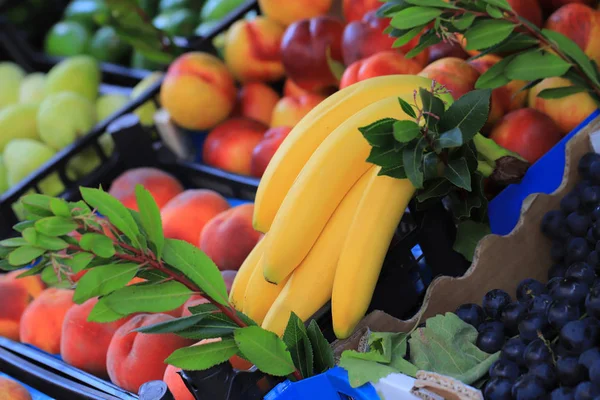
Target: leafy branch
113 245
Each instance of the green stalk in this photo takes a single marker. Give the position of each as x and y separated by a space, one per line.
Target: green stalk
491 150
484 168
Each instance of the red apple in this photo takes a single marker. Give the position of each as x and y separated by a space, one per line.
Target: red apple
304 50
263 152
229 145
355 10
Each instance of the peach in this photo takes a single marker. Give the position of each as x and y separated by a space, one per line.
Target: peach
14 300
505 98
33 284
446 49
355 10
266 148
84 344
229 145
365 38
41 323
160 184
229 237
193 301
198 91
293 11
252 50
256 101
528 9
384 63
186 214
527 132
552 5
13 390
176 385
305 48
567 112
455 74
134 358
290 89
581 24
290 110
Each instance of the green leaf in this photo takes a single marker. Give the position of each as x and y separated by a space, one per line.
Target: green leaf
55 226
323 354
407 108
431 166
426 40
98 244
446 345
432 3
5 266
503 4
534 64
21 226
571 49
103 280
385 157
152 275
14 242
78 261
337 68
415 16
211 326
197 267
379 133
361 371
5 251
487 33
24 255
114 210
469 113
407 37
30 235
434 189
298 344
37 204
204 309
173 325
60 208
397 171
103 313
468 235
494 77
464 22
412 155
32 271
431 106
205 356
560 92
49 242
405 131
148 298
265 350
150 216
50 277
449 139
494 12
458 173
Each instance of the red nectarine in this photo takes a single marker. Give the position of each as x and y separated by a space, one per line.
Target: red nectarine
264 150
161 185
383 63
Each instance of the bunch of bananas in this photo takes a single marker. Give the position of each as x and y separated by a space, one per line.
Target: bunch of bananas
328 217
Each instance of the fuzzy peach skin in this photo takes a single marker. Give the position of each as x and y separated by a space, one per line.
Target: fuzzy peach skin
161 185
41 323
455 74
83 344
527 132
135 358
186 214
581 24
33 283
229 237
379 64
193 301
198 91
292 11
290 110
567 112
355 10
252 50
229 145
12 390
14 300
256 101
263 152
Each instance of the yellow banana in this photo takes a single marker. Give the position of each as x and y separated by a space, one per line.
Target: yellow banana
260 295
309 287
240 283
310 132
321 185
364 249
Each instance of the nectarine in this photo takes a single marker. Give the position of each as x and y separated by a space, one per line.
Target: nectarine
379 64
193 301
355 10
13 390
264 150
446 49
256 101
551 5
455 74
33 283
293 11
176 385
161 185
528 9
290 110
14 300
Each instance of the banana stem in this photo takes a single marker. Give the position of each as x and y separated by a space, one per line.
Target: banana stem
492 151
484 168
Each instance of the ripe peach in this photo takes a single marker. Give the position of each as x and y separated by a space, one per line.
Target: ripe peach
41 323
84 344
176 385
266 148
455 74
383 63
229 145
293 11
527 132
198 91
528 9
290 89
229 237
160 184
304 49
256 101
581 24
186 214
33 284
252 50
193 301
14 300
13 390
552 5
290 110
446 49
355 10
135 358
567 112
